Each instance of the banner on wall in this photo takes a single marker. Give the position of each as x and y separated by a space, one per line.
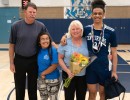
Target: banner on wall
78 9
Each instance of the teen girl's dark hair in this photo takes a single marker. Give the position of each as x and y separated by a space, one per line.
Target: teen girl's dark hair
98 4
49 47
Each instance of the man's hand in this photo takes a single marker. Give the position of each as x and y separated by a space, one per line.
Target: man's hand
12 68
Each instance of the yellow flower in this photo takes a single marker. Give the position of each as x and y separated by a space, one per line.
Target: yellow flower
79 58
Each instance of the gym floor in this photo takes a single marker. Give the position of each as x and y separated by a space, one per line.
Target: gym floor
7 91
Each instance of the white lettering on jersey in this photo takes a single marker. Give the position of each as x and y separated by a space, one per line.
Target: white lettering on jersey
97 38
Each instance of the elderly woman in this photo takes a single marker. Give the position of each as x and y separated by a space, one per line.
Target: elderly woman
74 44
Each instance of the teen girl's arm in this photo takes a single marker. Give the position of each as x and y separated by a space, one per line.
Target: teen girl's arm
114 62
49 70
55 45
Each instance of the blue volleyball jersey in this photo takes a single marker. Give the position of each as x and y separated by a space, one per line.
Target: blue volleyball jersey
104 37
44 62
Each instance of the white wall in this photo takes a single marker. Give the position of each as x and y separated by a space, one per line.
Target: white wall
52 3
39 3
60 3
14 3
117 2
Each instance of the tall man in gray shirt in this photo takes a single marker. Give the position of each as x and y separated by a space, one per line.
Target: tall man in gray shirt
23 53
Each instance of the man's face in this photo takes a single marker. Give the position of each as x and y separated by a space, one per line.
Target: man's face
30 14
97 15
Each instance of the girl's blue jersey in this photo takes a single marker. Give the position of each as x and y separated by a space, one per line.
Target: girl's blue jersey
45 62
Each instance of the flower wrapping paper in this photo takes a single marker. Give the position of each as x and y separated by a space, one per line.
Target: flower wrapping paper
78 62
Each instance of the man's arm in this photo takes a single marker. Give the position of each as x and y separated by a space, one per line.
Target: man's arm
11 57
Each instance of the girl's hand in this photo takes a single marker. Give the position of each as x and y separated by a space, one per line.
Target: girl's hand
42 75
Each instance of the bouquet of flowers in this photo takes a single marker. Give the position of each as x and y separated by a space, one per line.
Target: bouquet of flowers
77 63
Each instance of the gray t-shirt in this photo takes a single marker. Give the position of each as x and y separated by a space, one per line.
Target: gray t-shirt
24 36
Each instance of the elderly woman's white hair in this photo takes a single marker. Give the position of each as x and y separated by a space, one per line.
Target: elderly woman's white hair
75 22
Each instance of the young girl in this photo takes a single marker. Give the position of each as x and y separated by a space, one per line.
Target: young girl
48 74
